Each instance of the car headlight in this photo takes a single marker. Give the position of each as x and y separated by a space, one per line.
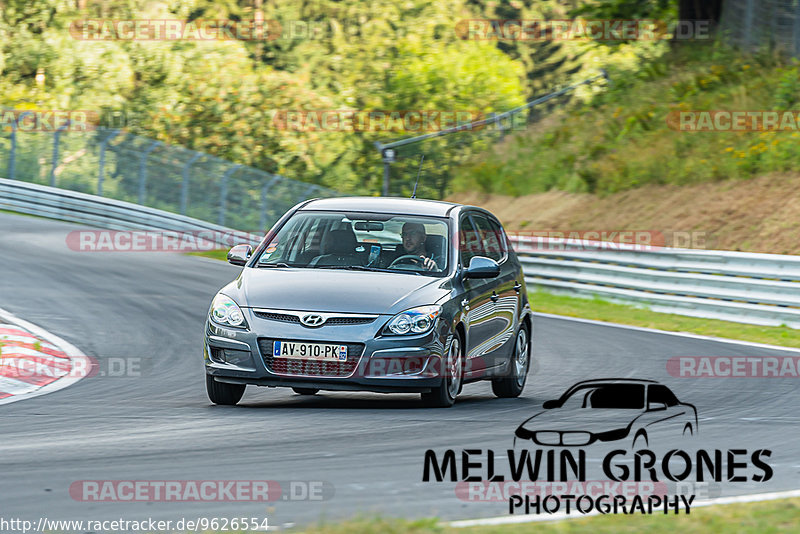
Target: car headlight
414 321
224 311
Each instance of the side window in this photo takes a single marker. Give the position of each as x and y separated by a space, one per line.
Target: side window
488 237
658 393
469 243
502 239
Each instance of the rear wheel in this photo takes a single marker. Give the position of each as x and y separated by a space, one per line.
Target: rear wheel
511 386
305 391
222 393
452 368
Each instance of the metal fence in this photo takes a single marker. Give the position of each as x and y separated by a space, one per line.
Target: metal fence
448 148
122 166
734 286
100 212
753 23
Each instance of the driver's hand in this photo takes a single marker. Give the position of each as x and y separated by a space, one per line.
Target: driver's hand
428 263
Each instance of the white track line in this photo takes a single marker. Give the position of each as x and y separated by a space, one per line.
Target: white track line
514 519
81 364
679 334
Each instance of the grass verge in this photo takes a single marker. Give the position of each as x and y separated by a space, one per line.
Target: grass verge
216 254
754 518
602 310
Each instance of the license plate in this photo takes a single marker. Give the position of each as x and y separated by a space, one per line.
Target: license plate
309 351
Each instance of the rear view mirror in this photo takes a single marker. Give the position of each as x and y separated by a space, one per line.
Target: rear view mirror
549 405
656 406
239 254
368 226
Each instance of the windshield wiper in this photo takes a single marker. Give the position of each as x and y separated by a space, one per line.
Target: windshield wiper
365 268
279 264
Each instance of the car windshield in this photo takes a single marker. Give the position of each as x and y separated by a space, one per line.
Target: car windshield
614 396
360 241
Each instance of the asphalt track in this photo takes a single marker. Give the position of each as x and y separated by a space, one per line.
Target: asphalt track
370 447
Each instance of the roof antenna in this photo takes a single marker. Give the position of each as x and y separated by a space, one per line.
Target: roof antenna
421 159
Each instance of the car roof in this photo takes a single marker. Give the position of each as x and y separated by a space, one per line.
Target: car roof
604 381
403 206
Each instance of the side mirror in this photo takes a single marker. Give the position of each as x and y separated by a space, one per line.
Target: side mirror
239 254
549 405
656 406
482 267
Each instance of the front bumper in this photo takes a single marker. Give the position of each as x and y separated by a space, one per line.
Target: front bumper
375 363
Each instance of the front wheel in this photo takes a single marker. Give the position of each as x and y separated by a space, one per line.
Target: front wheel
445 395
222 393
511 386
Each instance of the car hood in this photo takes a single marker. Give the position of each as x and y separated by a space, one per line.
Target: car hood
581 419
325 290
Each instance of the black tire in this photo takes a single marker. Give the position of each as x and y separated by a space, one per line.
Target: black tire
305 391
511 386
445 395
222 393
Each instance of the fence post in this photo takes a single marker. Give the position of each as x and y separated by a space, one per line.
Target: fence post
748 24
185 183
12 157
12 164
143 170
388 156
264 191
56 137
796 29
223 192
102 164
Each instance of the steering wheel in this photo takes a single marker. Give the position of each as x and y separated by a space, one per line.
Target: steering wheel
406 259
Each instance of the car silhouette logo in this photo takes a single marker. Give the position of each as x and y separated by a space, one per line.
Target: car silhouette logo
312 319
611 409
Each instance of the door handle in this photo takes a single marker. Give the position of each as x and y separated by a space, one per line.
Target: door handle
494 297
517 286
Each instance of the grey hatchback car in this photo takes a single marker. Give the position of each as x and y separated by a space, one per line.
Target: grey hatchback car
387 295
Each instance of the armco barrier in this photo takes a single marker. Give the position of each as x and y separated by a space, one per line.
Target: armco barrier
735 286
100 212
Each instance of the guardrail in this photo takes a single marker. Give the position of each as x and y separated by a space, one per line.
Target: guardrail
95 211
735 286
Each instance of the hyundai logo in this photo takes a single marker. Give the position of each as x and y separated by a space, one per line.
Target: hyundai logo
312 319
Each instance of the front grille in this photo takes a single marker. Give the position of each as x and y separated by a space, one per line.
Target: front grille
290 318
349 320
569 438
286 318
295 367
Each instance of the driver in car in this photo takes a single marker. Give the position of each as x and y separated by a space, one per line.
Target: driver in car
414 238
